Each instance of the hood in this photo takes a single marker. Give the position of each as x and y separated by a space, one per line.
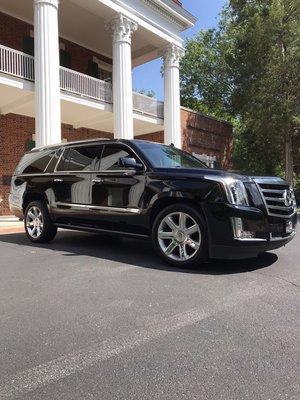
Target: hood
203 173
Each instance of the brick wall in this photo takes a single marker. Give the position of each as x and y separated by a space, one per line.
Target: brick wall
202 134
13 30
206 135
15 133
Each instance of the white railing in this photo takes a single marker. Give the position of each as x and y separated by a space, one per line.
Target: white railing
16 63
148 105
84 85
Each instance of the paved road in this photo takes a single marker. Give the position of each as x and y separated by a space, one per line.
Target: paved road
87 317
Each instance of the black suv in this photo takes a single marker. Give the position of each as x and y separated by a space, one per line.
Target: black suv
149 190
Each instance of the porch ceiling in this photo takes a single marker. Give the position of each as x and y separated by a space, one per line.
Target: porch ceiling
86 27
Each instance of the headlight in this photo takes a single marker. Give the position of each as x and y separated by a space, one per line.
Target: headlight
236 192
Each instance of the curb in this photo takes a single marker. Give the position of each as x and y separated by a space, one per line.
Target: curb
11 229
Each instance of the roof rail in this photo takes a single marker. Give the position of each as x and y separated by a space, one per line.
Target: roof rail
67 143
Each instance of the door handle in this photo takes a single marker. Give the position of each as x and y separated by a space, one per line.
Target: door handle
97 180
58 180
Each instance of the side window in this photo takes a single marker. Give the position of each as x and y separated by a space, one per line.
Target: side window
53 162
35 162
111 155
85 158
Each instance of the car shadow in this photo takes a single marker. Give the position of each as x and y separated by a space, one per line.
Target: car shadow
133 252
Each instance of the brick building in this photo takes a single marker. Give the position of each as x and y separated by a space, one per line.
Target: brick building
43 102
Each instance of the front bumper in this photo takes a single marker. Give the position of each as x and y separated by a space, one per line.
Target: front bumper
270 232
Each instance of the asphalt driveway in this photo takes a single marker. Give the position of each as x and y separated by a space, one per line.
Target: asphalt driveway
89 317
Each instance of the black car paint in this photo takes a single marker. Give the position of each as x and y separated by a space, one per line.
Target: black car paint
142 193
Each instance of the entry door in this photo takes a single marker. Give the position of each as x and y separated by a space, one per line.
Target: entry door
72 183
117 193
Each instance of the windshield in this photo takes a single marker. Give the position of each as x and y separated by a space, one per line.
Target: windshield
162 156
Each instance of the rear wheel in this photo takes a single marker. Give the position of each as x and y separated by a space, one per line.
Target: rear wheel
179 236
38 225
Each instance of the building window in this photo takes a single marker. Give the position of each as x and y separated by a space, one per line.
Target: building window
98 72
105 75
64 58
93 69
28 45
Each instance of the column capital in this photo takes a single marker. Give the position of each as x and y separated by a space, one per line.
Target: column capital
172 55
121 28
53 3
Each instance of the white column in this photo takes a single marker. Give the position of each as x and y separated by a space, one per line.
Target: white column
47 87
172 122
122 29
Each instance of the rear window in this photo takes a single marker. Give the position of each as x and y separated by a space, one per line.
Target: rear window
34 162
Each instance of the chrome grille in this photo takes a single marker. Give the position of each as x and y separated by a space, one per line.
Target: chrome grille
279 198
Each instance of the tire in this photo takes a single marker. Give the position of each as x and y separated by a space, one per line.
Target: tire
179 236
38 225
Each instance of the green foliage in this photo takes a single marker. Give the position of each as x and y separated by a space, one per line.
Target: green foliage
149 93
247 71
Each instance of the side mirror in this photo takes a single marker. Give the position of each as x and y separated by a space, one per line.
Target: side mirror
130 162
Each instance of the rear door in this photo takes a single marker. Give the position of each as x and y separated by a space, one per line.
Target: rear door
117 193
72 183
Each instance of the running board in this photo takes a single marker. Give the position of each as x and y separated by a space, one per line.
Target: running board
99 230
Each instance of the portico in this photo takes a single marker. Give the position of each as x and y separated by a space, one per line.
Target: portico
125 34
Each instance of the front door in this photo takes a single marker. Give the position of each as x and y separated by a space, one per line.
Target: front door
116 192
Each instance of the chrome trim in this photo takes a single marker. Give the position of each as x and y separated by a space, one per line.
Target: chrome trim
290 236
275 198
102 208
286 208
250 239
270 207
35 174
278 191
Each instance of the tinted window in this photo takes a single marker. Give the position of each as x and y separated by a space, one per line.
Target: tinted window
34 162
110 157
53 162
85 158
162 156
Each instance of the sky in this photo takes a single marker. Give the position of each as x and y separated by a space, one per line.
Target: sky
148 76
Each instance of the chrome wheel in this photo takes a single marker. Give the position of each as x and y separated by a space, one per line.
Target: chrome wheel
34 222
179 236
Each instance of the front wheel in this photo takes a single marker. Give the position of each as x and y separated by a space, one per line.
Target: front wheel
179 236
38 225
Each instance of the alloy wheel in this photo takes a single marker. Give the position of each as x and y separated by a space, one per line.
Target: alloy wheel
179 236
34 222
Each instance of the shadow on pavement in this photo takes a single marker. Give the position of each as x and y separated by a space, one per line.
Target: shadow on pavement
134 252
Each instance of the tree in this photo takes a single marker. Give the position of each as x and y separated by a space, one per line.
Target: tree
206 79
149 93
247 71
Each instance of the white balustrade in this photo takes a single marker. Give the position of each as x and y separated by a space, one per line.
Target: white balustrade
16 63
84 85
148 105
19 64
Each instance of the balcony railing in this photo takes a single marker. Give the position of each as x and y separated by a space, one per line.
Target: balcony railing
84 85
16 63
21 65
